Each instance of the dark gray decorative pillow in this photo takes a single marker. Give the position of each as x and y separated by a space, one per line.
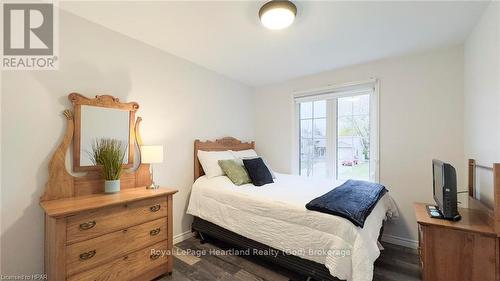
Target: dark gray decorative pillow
258 171
265 163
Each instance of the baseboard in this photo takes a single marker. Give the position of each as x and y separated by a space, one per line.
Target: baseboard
405 242
183 236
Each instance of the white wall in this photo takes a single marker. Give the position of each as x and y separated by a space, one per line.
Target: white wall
482 95
179 102
421 117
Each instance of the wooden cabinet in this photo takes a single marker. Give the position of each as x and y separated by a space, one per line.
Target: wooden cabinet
90 235
460 251
122 236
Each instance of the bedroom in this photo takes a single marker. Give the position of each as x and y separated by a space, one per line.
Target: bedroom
208 70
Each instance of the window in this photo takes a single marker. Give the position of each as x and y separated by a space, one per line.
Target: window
353 137
338 133
313 138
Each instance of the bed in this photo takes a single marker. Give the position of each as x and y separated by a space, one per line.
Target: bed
273 218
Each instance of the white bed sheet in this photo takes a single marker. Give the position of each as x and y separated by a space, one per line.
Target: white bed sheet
275 215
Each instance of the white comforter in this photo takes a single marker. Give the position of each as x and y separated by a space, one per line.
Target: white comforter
275 215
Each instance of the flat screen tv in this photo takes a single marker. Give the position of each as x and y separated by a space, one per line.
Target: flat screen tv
445 189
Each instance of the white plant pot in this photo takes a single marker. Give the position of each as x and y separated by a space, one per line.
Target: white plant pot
111 186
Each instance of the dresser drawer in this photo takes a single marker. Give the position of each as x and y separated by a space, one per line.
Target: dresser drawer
128 267
91 253
101 221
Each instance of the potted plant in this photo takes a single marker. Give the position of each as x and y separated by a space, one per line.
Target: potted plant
109 154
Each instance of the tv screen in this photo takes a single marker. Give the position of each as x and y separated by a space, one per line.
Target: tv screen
438 182
445 189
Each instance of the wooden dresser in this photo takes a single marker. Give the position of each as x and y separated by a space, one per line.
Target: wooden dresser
465 250
90 235
122 236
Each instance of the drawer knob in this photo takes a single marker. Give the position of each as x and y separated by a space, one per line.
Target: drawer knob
155 208
87 225
154 256
155 231
88 255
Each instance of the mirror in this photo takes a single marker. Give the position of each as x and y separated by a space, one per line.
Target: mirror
102 117
98 123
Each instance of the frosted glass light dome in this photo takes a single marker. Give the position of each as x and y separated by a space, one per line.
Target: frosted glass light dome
277 14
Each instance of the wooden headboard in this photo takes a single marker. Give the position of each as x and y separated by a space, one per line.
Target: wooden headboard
493 212
227 143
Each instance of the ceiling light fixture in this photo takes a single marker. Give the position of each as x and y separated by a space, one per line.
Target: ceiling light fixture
277 14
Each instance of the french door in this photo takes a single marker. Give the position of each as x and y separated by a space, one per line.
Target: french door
337 133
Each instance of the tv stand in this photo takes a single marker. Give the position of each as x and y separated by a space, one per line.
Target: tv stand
462 250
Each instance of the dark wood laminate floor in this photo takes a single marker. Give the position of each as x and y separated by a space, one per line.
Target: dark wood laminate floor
396 263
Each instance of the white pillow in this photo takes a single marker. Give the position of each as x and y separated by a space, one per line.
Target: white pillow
209 161
240 154
249 154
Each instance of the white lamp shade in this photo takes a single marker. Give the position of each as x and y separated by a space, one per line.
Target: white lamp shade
152 154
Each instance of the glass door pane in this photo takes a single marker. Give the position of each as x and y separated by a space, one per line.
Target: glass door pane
313 140
353 137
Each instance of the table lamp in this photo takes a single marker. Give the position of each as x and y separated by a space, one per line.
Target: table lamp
151 154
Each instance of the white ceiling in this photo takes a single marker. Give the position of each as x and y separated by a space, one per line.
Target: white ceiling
227 37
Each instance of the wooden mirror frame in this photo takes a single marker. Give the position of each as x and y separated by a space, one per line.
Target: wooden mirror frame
61 184
105 101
